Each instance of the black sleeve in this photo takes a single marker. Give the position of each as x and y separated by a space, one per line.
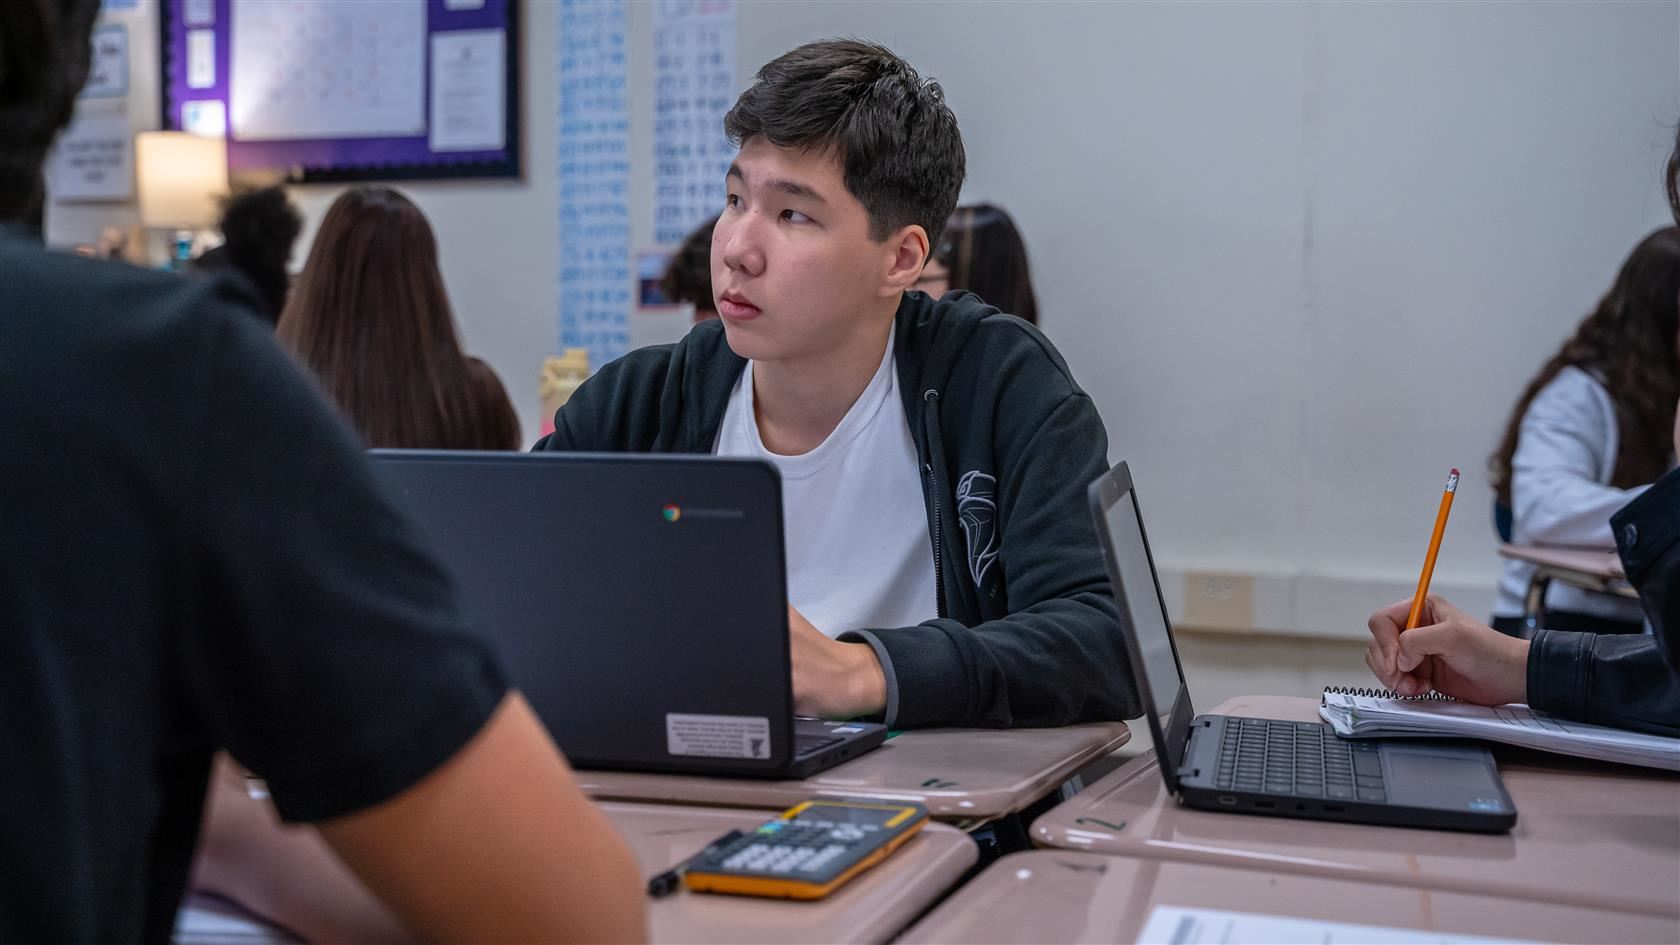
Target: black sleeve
332 658
1059 656
1617 679
1647 531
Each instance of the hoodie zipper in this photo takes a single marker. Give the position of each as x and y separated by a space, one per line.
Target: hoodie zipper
929 399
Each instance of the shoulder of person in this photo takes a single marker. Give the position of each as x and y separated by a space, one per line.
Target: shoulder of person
148 311
1574 395
977 339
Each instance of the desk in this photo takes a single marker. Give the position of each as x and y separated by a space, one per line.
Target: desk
968 776
1054 897
872 908
1587 834
1589 568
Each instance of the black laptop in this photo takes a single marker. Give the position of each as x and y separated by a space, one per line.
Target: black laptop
639 602
1267 766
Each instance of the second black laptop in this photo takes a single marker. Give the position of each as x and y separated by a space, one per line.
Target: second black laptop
639 602
1274 766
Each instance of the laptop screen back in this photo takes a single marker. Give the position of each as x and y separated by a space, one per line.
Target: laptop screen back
1164 696
1148 620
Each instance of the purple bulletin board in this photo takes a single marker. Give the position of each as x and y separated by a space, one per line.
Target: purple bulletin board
199 71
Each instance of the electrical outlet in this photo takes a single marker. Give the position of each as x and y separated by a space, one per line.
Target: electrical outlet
1218 601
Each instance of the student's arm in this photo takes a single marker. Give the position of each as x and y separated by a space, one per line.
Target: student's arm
1648 536
498 845
1059 656
1616 680
283 873
1556 495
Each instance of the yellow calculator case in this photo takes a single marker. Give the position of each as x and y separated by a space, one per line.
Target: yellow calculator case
807 852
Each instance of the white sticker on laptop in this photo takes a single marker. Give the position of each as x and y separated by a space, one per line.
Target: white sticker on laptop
717 736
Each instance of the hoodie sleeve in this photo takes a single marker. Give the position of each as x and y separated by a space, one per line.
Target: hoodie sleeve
1059 656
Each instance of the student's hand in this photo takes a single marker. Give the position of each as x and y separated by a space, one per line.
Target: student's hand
833 680
1450 653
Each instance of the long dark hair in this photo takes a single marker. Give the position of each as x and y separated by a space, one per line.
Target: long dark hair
1629 344
987 256
369 316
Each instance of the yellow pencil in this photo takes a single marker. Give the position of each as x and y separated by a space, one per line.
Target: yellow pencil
1434 549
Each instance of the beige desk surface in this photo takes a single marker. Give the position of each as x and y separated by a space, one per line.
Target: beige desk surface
1049 896
968 775
872 908
1587 834
1595 562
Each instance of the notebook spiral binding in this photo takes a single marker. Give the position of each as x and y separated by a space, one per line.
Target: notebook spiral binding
1386 694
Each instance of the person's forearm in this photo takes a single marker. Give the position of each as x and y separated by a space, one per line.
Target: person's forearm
283 874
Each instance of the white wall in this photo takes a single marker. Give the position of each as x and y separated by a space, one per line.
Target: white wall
1302 255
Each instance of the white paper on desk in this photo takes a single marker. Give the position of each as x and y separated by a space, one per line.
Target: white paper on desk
93 161
322 69
468 80
1178 925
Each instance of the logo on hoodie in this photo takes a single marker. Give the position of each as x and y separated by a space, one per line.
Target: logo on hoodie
977 512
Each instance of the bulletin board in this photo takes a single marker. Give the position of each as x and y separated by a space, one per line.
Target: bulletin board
328 90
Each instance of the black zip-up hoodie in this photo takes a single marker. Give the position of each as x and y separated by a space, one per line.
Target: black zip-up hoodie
1027 632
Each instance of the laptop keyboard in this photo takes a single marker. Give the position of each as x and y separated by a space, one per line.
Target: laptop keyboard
807 745
1301 759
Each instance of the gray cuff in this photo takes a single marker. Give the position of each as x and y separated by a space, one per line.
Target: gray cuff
1558 663
889 716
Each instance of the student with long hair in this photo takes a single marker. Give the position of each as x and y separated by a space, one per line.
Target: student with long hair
370 317
983 252
1591 432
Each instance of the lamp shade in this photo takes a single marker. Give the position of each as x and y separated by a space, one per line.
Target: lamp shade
180 178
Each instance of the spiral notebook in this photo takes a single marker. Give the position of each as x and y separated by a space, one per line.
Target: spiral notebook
1379 713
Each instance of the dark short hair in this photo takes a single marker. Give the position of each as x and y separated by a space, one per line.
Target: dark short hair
986 255
895 137
688 276
44 54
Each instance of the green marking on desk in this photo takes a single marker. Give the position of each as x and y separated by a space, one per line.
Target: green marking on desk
1081 821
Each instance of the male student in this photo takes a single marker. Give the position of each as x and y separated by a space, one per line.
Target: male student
194 558
935 454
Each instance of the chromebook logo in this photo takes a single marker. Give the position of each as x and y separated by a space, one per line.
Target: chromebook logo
672 513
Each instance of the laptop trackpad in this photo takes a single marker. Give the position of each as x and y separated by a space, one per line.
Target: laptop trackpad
1447 777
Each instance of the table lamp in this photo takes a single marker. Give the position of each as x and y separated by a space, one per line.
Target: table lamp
180 178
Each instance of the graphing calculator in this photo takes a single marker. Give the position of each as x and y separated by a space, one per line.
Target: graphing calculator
807 852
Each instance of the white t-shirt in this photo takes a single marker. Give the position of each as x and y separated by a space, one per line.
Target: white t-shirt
858 551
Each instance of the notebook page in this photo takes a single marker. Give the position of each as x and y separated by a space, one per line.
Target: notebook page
1512 724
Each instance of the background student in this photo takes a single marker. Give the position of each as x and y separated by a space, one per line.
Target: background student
216 569
369 316
983 252
258 229
688 276
1591 432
